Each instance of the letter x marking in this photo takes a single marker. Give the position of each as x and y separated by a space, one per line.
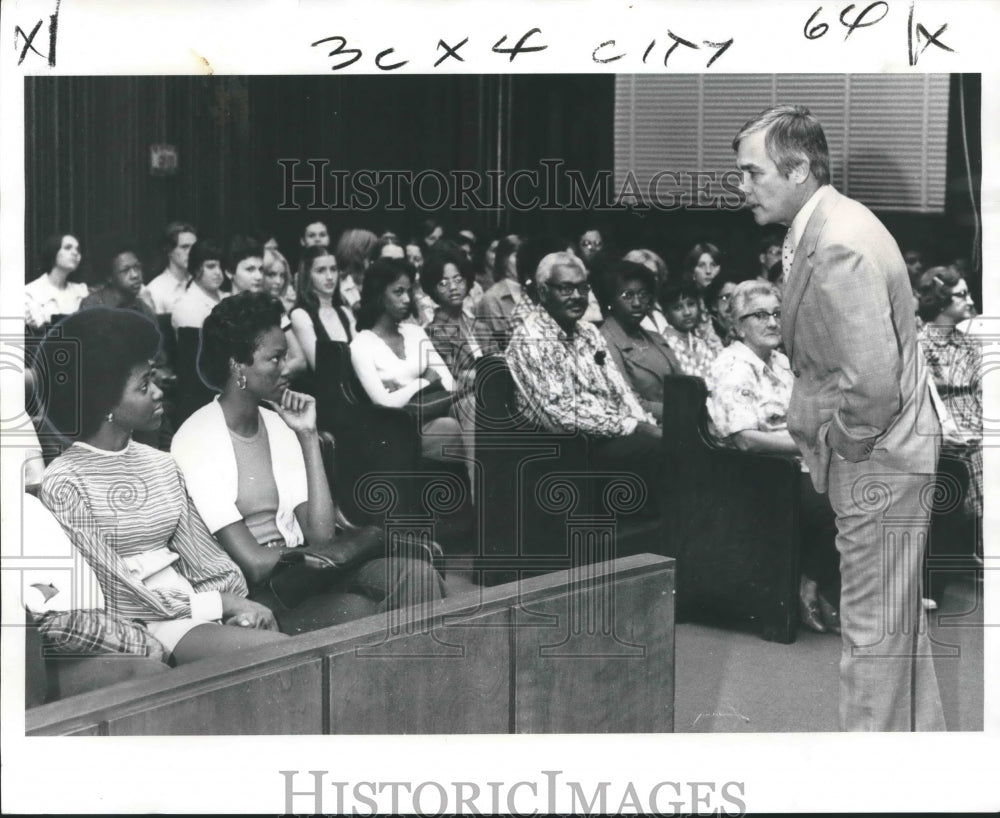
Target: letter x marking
450 52
28 41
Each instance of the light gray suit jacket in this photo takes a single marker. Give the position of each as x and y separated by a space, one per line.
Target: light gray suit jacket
861 390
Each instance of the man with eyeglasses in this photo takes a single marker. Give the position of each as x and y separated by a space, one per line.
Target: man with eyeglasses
567 381
860 412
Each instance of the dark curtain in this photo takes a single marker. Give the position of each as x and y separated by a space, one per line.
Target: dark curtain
88 161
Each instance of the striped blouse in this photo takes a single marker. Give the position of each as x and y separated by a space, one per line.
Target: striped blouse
117 506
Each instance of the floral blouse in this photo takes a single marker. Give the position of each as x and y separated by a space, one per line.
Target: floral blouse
749 394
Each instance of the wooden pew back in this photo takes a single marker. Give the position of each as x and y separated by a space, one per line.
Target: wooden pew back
586 650
731 519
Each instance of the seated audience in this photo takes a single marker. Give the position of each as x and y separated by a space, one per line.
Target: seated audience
244 269
914 260
682 308
718 300
568 382
387 246
748 408
391 248
319 313
497 304
955 361
120 288
655 320
532 250
205 289
431 232
168 287
701 265
278 279
466 241
53 293
315 234
642 356
448 276
353 253
769 256
485 264
268 240
565 380
124 505
395 361
425 303
253 467
590 244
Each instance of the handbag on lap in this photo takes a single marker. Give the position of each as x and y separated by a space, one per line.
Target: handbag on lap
430 403
303 572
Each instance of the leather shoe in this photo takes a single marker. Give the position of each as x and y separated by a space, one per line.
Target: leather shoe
809 610
829 614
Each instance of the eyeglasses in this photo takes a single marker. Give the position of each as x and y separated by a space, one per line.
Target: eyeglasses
643 296
962 296
566 290
592 244
763 316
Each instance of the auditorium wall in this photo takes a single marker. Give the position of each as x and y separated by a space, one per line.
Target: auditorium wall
88 167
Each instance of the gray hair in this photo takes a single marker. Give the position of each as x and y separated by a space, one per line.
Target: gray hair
793 134
746 291
549 263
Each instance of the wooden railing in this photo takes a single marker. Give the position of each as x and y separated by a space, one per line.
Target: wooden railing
590 649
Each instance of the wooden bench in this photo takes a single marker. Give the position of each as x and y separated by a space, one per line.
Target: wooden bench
731 519
589 650
540 494
380 474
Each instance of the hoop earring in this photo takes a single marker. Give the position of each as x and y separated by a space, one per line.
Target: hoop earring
241 381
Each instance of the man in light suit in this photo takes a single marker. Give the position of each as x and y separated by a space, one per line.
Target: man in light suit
860 412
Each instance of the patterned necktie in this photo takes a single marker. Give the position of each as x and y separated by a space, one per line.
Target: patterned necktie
787 255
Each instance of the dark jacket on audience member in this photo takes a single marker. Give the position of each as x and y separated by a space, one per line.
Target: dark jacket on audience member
644 364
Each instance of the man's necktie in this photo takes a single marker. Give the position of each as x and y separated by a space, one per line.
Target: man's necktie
787 255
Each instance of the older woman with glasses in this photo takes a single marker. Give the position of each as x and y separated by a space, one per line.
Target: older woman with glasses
748 408
642 356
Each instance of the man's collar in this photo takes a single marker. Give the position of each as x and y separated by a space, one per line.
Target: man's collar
798 225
